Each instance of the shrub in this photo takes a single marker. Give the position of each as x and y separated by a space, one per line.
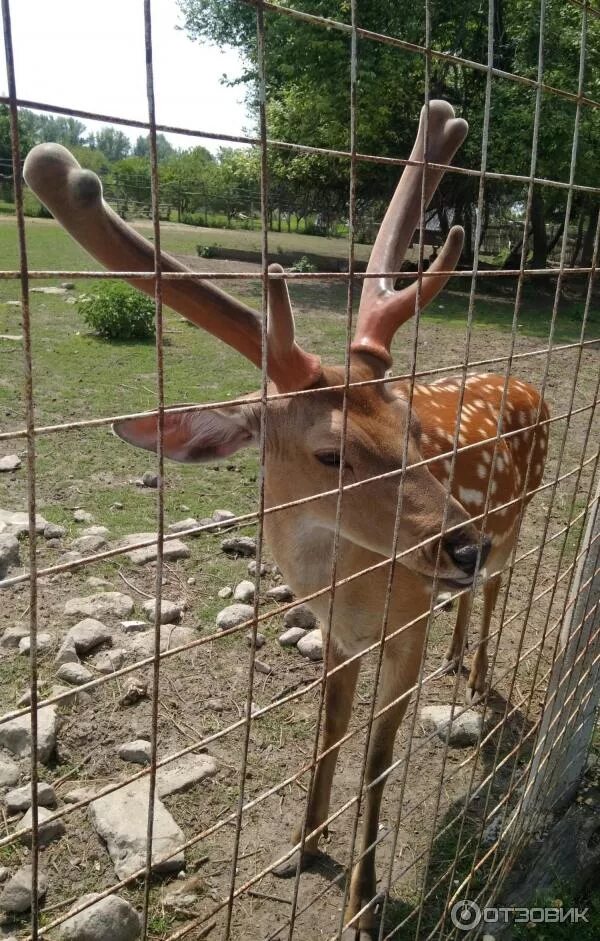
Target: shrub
303 264
117 312
206 251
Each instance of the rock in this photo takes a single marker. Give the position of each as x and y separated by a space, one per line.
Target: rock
68 285
48 290
173 549
311 645
184 894
102 605
116 506
244 592
13 636
465 728
138 752
133 627
111 660
300 616
54 531
19 800
181 525
233 615
94 582
171 635
239 545
110 919
79 794
264 568
493 830
225 592
9 772
95 531
184 773
261 667
170 611
135 690
224 517
16 895
86 635
150 479
215 705
9 553
4 873
74 697
74 673
44 641
191 580
48 830
88 544
11 462
121 818
281 593
82 516
260 640
17 524
15 735
291 637
25 699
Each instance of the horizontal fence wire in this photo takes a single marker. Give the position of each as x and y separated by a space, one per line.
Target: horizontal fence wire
535 652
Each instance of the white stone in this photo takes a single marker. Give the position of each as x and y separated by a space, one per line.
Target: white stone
13 636
9 553
44 641
311 645
465 729
74 673
9 772
244 592
54 531
223 517
225 592
101 605
291 637
184 773
48 831
233 615
95 531
15 735
121 820
260 640
281 593
48 290
133 627
16 895
181 525
138 752
86 635
264 568
19 800
170 611
239 545
173 549
94 582
18 523
110 660
300 616
110 919
74 697
171 635
88 544
82 516
11 462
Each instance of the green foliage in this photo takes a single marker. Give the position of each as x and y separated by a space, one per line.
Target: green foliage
206 251
303 264
117 312
112 142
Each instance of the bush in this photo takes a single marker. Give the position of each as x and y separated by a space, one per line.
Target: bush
207 251
117 312
303 264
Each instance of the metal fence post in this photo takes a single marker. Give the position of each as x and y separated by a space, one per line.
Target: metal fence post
573 697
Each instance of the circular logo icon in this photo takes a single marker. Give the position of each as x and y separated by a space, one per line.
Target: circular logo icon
465 915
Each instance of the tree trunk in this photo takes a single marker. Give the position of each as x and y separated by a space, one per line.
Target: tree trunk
538 225
578 239
589 238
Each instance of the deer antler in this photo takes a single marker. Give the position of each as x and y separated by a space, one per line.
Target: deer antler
382 309
74 197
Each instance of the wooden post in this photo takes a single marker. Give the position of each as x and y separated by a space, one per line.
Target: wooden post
559 760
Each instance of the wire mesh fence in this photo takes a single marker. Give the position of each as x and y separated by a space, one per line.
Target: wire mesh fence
450 823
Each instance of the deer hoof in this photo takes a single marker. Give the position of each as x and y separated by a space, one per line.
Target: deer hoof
473 696
357 934
289 868
450 664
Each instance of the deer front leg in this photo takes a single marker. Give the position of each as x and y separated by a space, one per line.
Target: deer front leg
458 643
477 676
399 672
338 705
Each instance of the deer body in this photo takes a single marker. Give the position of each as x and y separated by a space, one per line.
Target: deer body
438 547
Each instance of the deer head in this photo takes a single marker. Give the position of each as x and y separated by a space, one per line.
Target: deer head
303 433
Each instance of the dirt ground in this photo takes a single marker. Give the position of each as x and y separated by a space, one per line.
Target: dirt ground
437 781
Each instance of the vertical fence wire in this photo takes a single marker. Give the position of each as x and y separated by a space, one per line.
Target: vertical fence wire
28 401
160 430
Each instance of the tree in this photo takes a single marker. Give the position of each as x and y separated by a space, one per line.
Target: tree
58 130
164 149
112 142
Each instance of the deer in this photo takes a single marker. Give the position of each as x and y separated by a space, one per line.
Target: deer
392 440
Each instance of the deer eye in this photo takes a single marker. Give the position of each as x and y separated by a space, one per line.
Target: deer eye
329 458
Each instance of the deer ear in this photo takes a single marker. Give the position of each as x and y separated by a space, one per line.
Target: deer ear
192 437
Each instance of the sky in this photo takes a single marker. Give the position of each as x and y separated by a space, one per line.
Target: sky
90 55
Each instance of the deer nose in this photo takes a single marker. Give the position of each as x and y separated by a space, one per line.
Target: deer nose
466 554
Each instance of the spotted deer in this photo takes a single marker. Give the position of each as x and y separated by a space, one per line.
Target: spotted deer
303 436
